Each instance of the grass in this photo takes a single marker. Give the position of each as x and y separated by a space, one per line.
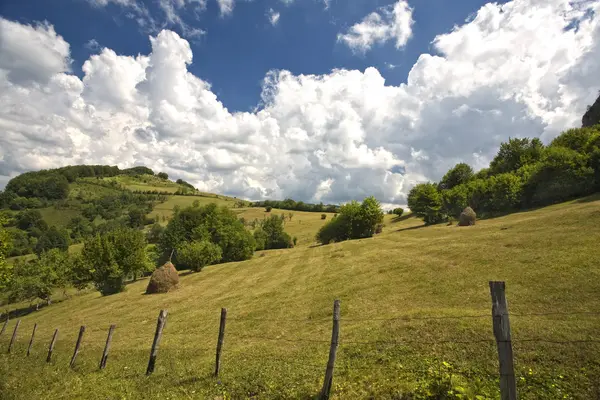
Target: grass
279 312
164 211
58 217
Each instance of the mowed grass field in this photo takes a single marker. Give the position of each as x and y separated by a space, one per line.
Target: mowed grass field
415 305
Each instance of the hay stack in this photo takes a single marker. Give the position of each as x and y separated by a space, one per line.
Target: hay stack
467 217
163 279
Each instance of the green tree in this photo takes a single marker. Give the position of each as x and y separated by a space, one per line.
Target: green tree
354 221
516 153
5 246
197 255
137 217
52 239
155 233
459 174
426 202
29 219
163 175
275 237
80 228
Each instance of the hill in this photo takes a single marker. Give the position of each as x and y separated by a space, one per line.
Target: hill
415 314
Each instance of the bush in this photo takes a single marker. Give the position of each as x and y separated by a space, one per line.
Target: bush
378 228
398 211
155 233
163 175
323 216
273 234
52 239
268 209
467 217
163 279
197 255
354 221
425 201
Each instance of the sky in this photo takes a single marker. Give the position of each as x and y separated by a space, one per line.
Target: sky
317 100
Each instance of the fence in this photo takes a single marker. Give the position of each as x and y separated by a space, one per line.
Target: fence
500 321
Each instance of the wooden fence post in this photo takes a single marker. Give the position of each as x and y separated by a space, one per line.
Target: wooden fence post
14 336
335 333
5 324
77 344
51 347
31 340
220 341
107 347
508 386
160 325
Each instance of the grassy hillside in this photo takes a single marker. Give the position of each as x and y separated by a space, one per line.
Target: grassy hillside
279 311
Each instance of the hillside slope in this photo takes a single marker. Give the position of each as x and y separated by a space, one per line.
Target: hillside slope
279 319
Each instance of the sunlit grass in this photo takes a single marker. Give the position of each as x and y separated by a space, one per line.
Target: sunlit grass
549 259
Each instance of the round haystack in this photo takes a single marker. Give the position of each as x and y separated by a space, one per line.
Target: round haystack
467 217
163 279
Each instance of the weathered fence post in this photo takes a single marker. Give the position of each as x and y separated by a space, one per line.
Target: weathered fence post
335 333
31 340
51 347
220 340
160 325
77 344
5 323
107 346
508 386
14 336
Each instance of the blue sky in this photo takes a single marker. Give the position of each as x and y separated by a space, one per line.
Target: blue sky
239 49
156 91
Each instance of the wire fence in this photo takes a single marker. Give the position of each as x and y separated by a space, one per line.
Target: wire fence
349 356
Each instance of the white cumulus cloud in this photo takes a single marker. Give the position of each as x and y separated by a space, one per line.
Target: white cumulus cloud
273 16
389 23
333 137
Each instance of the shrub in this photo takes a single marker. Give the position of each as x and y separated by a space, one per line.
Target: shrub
163 175
354 221
294 240
197 255
155 233
268 209
378 228
163 279
467 217
323 216
52 239
273 234
425 201
398 211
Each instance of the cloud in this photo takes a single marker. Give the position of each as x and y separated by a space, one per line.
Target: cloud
92 45
386 24
333 137
273 16
226 6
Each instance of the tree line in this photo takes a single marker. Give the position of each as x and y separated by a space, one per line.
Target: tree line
289 204
524 174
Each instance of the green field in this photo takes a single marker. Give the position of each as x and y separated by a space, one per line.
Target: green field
164 211
279 310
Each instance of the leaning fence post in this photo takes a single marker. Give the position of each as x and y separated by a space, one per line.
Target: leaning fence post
51 347
160 325
31 340
220 340
14 336
335 333
5 323
77 344
508 386
107 346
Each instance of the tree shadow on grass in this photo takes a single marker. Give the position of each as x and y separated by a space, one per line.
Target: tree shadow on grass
411 228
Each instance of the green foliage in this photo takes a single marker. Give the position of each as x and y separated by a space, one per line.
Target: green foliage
461 173
155 233
426 202
289 204
218 225
198 254
113 257
516 153
137 217
5 246
52 239
354 221
141 170
80 228
42 184
268 208
504 192
271 233
592 115
163 175
29 219
323 216
398 211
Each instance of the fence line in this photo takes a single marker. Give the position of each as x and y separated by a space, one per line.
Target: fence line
500 318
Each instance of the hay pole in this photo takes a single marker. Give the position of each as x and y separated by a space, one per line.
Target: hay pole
508 385
335 333
77 345
14 336
51 347
160 325
31 340
107 346
220 341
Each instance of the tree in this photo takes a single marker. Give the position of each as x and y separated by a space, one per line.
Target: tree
29 219
155 233
268 209
30 280
137 217
461 173
80 228
163 175
196 255
425 201
354 221
5 246
516 153
115 256
52 239
274 235
398 211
